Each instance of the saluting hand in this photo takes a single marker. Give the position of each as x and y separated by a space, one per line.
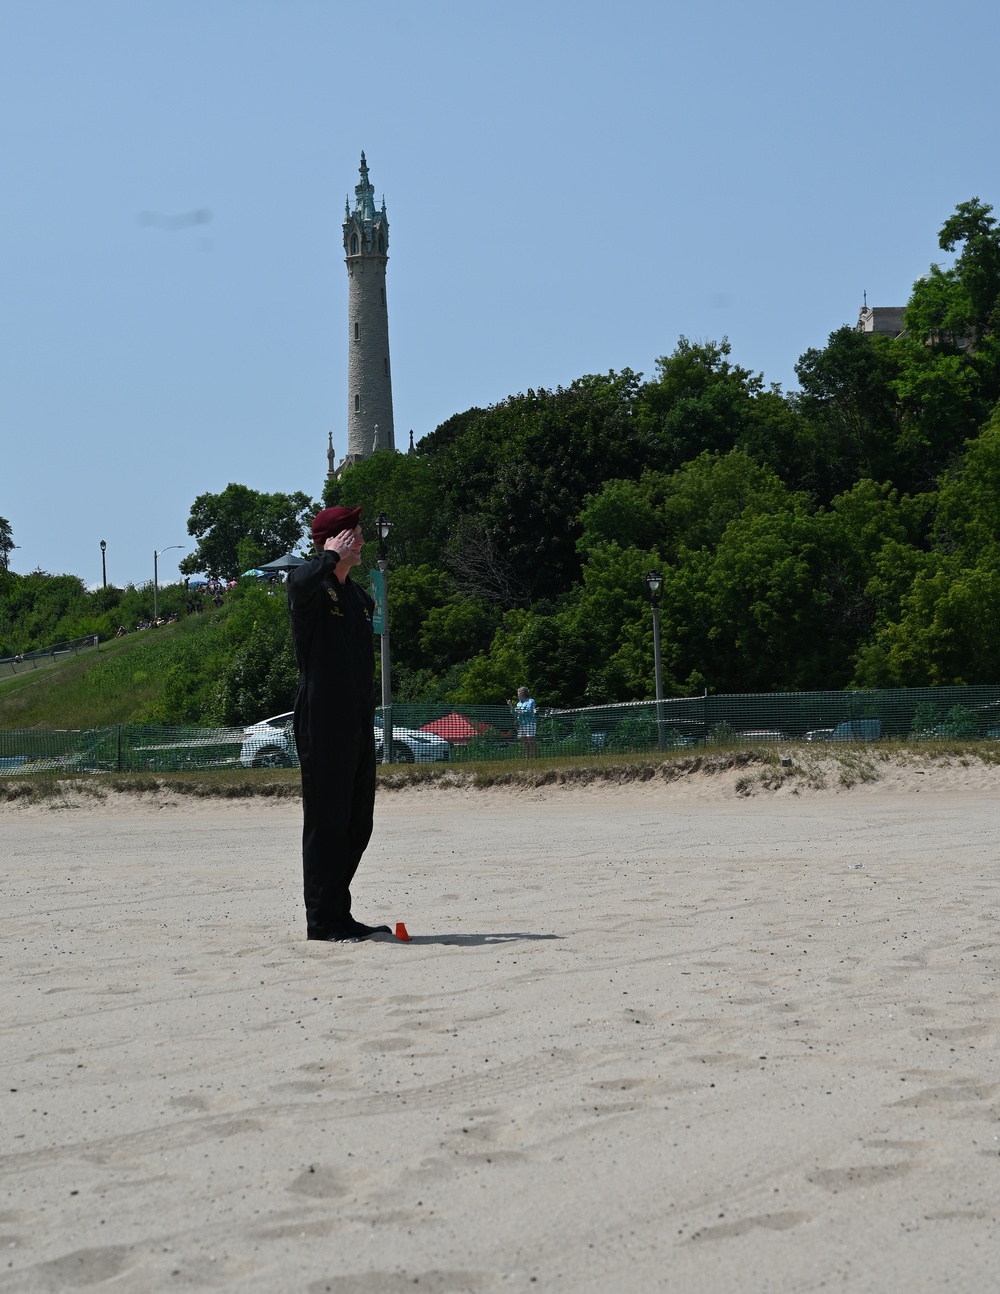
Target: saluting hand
347 544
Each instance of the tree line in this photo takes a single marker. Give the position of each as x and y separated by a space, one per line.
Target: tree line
841 534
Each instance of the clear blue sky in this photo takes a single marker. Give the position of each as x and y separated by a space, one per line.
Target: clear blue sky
570 186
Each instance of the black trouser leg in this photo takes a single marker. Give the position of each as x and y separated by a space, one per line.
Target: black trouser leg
338 798
360 819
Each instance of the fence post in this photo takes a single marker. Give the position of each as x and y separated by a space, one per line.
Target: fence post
119 759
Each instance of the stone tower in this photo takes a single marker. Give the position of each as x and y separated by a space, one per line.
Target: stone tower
369 374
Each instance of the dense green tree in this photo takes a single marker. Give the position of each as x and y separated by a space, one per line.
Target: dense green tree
535 648
106 599
773 603
595 645
433 627
935 620
967 520
959 306
780 437
454 632
949 358
447 432
514 478
240 528
948 630
492 677
38 610
700 401
256 673
688 508
900 409
260 678
191 684
240 672
609 623
872 534
404 487
626 513
757 589
6 543
848 395
943 401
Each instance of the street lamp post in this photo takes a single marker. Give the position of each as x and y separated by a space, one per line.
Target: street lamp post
654 585
104 565
156 579
383 525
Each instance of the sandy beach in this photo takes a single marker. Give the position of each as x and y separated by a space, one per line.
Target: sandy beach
669 1037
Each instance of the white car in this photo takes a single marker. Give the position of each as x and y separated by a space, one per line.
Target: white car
271 744
412 745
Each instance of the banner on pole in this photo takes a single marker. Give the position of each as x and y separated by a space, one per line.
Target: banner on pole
376 586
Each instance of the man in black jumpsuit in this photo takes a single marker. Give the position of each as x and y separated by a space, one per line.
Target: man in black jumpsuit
334 723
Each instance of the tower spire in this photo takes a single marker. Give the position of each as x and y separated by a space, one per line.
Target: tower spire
364 195
366 253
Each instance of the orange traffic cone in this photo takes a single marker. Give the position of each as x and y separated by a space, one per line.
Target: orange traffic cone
401 932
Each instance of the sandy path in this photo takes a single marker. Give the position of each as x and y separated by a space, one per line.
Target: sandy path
637 1043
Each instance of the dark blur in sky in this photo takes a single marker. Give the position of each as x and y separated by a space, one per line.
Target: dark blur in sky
570 187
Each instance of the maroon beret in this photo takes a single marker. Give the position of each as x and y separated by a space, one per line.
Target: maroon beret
331 521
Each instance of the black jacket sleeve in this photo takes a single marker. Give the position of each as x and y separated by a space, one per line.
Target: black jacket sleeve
307 581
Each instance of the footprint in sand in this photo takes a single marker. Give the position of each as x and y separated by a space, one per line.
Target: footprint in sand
80 1268
769 1221
432 1282
863 1175
319 1183
951 1094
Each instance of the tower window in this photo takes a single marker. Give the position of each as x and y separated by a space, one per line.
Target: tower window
357 404
356 332
383 296
385 367
354 244
381 243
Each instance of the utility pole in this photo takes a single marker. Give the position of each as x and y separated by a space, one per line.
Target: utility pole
383 525
156 581
654 583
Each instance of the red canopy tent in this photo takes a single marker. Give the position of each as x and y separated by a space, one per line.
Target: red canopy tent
456 728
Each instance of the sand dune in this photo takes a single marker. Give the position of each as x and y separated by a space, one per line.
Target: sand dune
684 1037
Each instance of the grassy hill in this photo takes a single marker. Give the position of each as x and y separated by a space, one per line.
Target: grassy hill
120 683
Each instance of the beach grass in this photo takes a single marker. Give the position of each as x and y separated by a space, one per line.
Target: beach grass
760 768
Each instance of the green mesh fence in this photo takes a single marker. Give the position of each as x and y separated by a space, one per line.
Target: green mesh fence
435 733
120 748
741 719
